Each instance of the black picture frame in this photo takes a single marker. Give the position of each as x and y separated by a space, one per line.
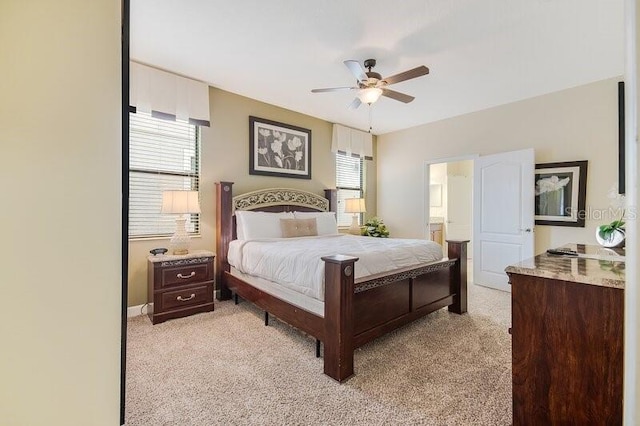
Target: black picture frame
621 138
278 149
560 193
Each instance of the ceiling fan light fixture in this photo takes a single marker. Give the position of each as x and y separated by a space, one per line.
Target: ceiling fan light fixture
370 85
369 95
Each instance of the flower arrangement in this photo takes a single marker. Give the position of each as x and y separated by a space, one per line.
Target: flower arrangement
375 227
549 192
612 234
606 231
550 184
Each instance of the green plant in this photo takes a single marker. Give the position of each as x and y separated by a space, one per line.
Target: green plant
374 227
605 231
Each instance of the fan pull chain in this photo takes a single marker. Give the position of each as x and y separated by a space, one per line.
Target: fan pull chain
370 119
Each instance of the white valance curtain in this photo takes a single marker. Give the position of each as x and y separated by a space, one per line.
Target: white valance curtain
355 143
168 95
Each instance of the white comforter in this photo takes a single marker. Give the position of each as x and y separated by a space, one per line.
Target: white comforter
295 262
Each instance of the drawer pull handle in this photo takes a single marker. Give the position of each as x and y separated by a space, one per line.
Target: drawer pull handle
185 277
187 299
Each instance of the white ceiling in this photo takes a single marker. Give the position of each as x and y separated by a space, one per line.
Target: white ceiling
481 53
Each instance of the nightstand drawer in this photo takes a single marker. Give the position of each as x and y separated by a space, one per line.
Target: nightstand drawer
186 274
186 297
180 285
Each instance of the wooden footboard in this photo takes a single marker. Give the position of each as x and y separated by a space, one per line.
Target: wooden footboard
338 316
357 314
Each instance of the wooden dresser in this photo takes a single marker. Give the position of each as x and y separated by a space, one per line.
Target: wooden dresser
567 330
180 285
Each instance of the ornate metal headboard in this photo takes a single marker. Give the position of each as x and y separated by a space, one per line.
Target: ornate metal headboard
264 198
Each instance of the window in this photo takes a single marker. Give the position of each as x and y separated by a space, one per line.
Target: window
349 176
164 155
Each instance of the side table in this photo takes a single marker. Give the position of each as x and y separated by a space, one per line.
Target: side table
180 285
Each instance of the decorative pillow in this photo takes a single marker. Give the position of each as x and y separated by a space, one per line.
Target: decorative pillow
326 221
299 227
256 225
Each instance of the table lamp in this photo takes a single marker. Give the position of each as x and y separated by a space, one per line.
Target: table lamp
182 203
355 206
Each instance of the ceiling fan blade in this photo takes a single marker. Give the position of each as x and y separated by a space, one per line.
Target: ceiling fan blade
355 104
332 89
407 75
397 96
357 70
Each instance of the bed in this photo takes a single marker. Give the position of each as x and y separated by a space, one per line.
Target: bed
354 311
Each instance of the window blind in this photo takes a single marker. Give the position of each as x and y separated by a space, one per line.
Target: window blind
164 155
349 177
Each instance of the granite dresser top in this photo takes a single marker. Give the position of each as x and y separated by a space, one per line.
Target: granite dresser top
191 255
594 265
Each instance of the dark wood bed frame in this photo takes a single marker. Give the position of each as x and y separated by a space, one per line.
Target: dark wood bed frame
354 314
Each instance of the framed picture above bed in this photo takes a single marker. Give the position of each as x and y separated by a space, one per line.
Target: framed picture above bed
278 149
560 193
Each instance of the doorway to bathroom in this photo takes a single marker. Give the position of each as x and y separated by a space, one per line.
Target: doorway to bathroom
450 201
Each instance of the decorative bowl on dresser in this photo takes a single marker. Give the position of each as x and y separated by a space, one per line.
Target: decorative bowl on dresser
567 337
180 285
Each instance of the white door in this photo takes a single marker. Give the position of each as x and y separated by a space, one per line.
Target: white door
503 208
459 197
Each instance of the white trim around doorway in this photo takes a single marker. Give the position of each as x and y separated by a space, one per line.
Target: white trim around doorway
425 185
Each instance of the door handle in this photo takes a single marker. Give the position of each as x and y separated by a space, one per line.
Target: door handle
526 230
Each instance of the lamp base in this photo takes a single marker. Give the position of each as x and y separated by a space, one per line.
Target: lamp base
354 229
180 241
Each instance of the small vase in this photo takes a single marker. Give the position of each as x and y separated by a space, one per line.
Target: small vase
616 239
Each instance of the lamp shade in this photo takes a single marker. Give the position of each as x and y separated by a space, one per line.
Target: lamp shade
354 205
180 202
369 95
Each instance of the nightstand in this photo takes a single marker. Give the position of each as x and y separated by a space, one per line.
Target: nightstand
178 286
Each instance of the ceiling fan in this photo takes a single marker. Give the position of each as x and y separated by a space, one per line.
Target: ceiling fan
371 85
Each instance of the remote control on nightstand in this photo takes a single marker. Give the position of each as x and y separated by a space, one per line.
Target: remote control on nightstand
562 252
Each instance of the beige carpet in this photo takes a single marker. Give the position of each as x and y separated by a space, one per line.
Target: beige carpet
227 368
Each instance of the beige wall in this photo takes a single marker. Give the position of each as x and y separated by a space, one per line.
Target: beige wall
60 163
225 156
575 124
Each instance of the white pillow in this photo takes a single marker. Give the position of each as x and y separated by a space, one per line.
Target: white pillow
255 225
326 221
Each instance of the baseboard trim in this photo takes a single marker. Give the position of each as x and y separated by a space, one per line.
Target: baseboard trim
134 311
499 287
